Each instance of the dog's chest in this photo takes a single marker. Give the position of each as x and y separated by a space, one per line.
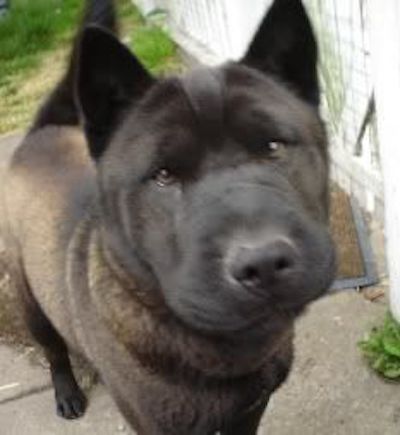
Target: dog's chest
147 398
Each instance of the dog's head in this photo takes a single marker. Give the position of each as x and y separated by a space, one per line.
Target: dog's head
213 185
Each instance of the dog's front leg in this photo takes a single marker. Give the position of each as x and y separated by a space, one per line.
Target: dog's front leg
70 400
248 422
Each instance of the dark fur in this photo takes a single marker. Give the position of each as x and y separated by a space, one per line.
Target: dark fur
178 257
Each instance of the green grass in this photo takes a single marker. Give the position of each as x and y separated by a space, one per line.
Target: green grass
382 349
35 40
150 43
31 29
155 49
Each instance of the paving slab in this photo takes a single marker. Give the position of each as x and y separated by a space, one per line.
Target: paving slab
18 377
331 391
35 415
27 405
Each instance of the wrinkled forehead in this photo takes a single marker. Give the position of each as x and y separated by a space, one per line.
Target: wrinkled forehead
208 105
195 101
222 109
181 116
204 90
212 95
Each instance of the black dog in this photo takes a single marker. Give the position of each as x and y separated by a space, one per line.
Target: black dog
174 239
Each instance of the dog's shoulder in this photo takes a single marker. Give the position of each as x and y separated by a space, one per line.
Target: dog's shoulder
48 188
55 144
50 177
51 158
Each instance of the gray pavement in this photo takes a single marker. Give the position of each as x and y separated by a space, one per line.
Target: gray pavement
330 391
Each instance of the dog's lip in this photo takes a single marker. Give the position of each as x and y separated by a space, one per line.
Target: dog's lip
212 325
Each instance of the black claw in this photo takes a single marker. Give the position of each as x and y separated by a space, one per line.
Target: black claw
79 407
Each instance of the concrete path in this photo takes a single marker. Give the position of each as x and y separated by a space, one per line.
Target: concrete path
330 391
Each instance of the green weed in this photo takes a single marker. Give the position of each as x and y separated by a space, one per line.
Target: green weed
382 348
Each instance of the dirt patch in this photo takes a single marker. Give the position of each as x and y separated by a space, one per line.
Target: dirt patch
19 102
12 327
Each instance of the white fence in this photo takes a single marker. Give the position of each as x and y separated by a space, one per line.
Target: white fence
211 30
386 49
359 43
216 30
344 34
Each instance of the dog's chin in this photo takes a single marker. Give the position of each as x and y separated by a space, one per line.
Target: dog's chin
231 326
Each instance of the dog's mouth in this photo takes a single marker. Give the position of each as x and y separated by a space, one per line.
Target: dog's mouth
247 319
205 299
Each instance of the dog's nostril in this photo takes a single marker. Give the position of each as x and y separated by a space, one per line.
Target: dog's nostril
282 263
249 275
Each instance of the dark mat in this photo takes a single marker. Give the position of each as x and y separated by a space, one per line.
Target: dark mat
356 266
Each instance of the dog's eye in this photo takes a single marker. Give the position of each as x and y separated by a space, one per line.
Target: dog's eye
275 148
163 177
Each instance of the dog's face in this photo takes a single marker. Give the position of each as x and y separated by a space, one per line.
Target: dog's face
213 185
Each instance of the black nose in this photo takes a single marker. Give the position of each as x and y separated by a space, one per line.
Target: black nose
264 265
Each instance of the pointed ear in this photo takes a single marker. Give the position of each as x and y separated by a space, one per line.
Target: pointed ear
285 46
109 79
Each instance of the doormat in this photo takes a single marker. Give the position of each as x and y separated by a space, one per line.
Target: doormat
356 265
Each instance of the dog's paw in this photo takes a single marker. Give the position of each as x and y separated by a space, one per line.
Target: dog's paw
71 404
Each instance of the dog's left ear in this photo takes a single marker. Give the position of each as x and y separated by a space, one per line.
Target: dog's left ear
109 79
285 46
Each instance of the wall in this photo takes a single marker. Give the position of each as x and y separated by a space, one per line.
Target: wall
386 51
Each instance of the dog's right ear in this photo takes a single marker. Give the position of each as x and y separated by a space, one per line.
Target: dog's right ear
285 45
109 79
